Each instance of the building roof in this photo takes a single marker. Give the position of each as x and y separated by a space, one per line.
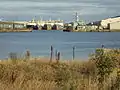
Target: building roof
10 22
115 16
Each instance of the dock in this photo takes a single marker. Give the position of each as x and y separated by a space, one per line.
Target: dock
111 24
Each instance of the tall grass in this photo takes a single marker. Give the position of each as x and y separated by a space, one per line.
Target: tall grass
39 74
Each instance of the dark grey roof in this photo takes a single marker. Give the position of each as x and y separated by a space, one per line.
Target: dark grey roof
115 16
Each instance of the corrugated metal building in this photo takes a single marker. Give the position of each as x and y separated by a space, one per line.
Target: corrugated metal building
114 26
105 23
11 25
108 23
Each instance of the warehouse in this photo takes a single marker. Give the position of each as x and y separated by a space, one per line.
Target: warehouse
106 22
114 26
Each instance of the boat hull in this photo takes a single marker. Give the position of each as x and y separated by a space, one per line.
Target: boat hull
67 30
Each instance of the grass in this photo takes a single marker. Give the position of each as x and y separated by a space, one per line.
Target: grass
39 74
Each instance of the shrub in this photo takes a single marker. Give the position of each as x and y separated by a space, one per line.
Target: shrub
106 62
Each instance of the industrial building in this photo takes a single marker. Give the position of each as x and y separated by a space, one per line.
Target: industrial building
46 25
114 26
106 22
7 26
11 25
112 23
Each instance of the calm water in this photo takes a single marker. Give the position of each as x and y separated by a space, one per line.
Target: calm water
39 42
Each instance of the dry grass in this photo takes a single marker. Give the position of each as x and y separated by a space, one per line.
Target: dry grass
42 75
39 74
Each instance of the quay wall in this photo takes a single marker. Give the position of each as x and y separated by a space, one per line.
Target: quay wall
16 30
114 27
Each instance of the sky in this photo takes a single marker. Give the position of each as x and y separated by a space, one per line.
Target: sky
88 10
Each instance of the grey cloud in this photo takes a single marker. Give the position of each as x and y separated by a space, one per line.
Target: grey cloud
95 9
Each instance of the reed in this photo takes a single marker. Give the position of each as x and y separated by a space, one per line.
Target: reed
39 74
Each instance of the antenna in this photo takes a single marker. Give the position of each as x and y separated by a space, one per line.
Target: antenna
76 17
50 19
33 20
40 18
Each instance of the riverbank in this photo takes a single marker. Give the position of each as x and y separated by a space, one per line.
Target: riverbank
40 74
16 30
105 30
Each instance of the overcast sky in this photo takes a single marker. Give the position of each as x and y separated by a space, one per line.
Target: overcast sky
88 10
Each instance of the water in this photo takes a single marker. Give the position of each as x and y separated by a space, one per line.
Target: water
39 42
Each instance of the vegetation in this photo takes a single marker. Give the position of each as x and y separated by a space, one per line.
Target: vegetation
101 72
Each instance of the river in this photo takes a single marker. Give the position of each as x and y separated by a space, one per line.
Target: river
39 42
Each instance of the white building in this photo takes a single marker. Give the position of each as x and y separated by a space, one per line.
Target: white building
49 22
114 26
104 23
